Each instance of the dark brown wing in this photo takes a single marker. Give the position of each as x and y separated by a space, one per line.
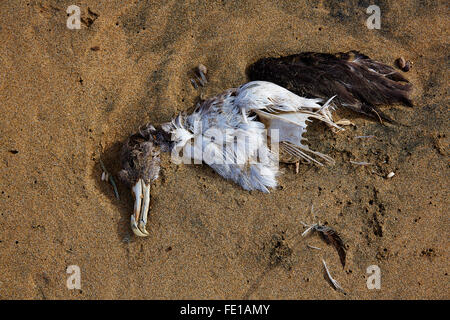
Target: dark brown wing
360 83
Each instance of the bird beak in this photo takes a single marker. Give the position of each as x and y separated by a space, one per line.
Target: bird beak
141 193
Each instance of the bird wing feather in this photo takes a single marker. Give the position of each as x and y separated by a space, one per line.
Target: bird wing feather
287 114
360 83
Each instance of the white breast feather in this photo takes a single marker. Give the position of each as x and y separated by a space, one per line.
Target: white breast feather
228 114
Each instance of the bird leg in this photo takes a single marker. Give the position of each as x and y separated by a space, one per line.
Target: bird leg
141 192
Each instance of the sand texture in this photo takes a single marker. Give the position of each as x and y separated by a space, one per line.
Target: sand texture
70 97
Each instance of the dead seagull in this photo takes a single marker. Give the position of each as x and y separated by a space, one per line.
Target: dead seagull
359 83
236 133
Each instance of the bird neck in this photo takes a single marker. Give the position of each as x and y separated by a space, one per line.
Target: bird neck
163 139
159 136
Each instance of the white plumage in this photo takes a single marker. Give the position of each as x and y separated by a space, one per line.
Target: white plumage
233 132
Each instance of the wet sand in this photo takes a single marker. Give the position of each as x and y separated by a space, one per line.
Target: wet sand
65 105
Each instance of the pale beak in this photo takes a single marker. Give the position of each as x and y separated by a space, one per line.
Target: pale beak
141 193
244 115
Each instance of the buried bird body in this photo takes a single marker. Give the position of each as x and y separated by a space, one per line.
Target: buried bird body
246 113
257 113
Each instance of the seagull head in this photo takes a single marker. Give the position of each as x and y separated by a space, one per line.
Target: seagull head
140 167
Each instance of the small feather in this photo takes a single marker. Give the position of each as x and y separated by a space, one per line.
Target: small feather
361 163
330 237
333 282
109 177
194 84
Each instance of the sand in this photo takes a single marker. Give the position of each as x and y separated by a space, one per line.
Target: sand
65 105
